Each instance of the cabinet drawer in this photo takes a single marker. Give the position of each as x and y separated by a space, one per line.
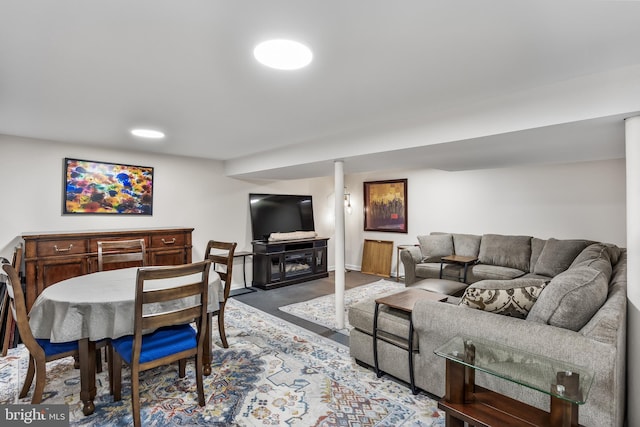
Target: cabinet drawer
94 242
61 247
167 240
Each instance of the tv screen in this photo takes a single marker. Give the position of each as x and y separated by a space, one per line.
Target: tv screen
280 213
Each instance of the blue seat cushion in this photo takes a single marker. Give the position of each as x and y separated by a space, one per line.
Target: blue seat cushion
160 343
51 348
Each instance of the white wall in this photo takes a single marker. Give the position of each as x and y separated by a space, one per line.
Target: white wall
578 200
187 192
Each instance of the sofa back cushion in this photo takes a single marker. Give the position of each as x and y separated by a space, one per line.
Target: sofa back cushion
513 298
435 246
536 249
506 251
557 256
599 256
571 298
466 244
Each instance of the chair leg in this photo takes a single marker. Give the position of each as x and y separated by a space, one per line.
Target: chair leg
223 335
28 379
199 382
116 375
135 395
182 368
41 375
109 354
99 360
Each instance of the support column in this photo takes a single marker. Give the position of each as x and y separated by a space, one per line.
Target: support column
338 169
632 144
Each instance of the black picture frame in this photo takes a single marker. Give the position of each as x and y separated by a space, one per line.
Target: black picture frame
105 188
385 206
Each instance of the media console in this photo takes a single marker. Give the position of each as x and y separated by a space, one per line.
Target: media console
283 263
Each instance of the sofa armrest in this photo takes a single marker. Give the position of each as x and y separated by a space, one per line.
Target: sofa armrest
410 257
436 323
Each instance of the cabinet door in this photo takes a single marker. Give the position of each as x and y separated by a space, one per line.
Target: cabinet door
54 270
168 257
320 260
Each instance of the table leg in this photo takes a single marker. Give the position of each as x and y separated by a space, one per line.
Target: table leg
206 356
563 413
441 263
87 356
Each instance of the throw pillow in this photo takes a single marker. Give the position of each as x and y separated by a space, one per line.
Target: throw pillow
557 256
435 246
571 298
513 298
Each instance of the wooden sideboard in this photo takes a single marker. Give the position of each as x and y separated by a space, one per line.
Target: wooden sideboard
52 257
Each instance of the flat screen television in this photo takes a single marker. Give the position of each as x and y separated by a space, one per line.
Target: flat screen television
280 213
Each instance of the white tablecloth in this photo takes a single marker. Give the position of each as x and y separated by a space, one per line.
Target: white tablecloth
97 305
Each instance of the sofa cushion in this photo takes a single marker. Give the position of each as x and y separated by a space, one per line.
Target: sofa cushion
557 256
431 270
441 286
571 298
435 246
513 298
479 272
506 251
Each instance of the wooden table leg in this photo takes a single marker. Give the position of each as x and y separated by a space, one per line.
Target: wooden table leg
206 356
87 356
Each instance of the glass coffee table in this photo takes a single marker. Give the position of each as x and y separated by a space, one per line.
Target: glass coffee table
566 384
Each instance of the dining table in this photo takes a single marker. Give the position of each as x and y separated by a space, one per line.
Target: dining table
99 306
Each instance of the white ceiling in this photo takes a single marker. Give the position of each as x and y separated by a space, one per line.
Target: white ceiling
86 72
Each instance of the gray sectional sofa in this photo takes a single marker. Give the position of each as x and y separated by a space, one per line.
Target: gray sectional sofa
565 299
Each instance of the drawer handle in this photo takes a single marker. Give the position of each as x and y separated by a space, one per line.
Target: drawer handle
169 243
63 250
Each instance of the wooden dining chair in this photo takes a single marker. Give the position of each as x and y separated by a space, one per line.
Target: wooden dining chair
16 262
123 252
41 351
221 256
173 338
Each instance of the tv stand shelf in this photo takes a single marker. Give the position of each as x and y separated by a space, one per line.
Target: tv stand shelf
286 262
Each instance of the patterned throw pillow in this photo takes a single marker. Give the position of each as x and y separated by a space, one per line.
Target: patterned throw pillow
513 298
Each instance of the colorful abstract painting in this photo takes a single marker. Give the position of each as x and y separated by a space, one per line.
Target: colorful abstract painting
107 188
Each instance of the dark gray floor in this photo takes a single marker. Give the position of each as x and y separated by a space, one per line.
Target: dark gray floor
269 301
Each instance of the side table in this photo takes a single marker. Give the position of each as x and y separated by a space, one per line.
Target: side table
465 402
458 259
400 249
245 290
403 301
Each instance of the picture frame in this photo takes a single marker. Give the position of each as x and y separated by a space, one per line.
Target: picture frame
92 187
385 206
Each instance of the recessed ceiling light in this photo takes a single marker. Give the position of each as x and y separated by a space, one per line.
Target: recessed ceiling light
283 54
147 133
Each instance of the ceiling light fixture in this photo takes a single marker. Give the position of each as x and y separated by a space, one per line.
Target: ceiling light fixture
148 133
283 54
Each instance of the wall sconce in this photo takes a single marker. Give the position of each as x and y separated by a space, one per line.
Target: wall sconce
347 200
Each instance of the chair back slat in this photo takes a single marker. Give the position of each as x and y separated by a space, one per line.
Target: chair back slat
121 252
153 308
221 256
169 318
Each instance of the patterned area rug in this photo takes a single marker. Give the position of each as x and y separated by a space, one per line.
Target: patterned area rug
322 310
274 373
